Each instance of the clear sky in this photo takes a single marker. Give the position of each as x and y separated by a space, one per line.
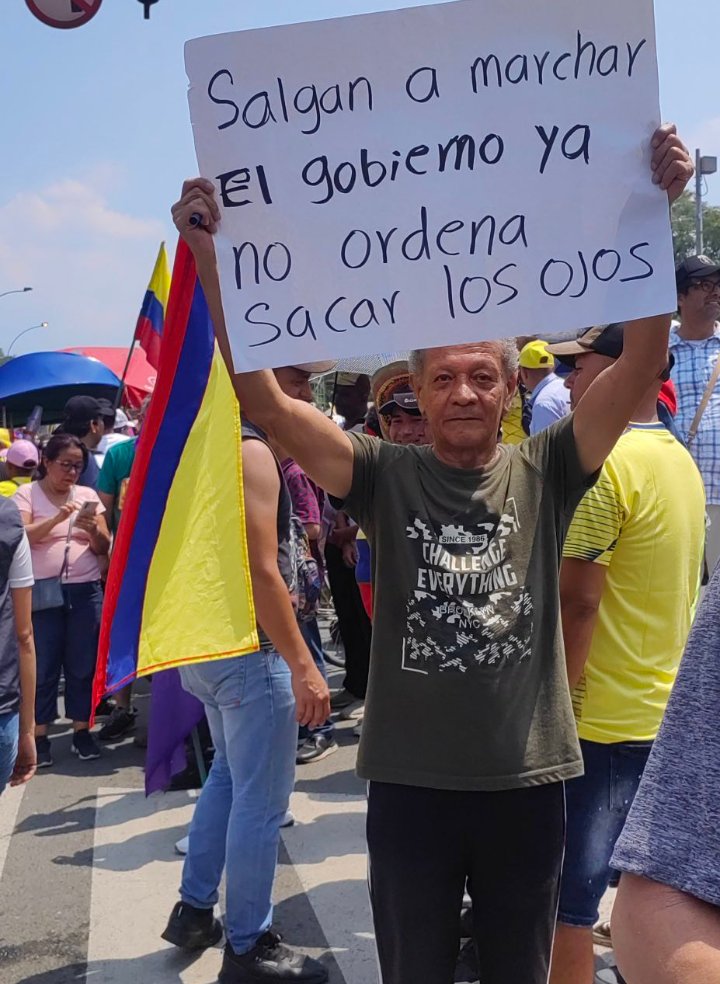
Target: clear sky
96 142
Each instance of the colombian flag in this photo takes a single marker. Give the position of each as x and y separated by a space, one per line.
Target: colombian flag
179 588
151 321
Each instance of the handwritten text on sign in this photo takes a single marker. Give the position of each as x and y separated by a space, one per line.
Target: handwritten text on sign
439 174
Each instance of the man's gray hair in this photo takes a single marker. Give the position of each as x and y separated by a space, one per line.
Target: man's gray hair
508 351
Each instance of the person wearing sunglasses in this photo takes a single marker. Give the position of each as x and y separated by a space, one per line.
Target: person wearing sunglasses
67 533
695 347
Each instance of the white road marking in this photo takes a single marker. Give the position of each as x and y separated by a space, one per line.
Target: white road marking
328 851
135 880
9 808
136 875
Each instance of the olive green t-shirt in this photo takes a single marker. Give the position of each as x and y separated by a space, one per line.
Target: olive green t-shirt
468 686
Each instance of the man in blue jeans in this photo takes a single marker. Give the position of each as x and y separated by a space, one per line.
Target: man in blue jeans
17 651
253 705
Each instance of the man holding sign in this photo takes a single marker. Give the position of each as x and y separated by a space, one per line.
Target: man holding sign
469 731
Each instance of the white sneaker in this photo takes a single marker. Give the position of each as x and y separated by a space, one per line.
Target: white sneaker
288 820
607 976
354 711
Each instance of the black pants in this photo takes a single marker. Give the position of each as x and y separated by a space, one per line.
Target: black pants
425 843
355 627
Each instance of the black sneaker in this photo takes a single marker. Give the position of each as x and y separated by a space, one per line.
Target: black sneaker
120 722
316 747
270 960
466 969
44 755
191 928
343 698
83 745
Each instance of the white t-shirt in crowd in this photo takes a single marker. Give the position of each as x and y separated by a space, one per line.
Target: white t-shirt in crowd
21 572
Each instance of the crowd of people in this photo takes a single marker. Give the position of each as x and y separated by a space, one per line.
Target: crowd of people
516 535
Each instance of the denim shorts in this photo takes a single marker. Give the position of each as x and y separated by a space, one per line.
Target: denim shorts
597 807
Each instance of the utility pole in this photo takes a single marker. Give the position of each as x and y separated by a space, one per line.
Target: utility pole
698 203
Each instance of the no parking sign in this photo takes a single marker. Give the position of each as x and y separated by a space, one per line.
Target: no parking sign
64 13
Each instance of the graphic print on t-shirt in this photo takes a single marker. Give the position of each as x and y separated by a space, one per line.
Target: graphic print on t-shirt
468 609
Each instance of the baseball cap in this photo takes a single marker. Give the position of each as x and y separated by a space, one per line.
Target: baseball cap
401 399
694 268
121 419
606 340
535 355
23 454
83 409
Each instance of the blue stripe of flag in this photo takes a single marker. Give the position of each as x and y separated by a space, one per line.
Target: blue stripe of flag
189 385
152 309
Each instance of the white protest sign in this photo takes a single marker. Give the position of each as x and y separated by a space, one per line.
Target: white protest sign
432 175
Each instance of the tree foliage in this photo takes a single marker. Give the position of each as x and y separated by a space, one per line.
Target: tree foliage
683 222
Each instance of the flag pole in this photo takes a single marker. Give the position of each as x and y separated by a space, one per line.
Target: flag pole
121 387
158 290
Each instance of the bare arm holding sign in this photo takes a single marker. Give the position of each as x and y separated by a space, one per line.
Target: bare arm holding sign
612 398
321 449
325 452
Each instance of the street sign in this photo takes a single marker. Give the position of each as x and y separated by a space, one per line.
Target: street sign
147 4
64 13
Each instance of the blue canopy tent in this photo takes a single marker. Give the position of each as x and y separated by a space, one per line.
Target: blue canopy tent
49 379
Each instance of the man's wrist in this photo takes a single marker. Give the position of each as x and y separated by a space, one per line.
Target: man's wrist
299 662
206 264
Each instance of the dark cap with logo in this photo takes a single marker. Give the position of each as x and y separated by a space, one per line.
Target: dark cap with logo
695 268
606 340
401 399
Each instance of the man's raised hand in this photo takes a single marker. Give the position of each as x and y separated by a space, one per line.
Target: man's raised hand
197 200
671 163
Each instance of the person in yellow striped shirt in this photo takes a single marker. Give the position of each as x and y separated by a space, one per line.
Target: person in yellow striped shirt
628 589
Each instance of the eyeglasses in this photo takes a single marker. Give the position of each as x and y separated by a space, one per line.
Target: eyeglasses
707 286
71 466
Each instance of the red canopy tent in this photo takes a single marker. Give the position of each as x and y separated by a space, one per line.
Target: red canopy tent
140 378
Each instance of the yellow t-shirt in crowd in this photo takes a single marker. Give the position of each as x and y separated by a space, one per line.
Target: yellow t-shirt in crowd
11 485
512 428
645 521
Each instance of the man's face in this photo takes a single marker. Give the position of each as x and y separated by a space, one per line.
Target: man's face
588 367
294 383
351 401
464 393
406 428
702 300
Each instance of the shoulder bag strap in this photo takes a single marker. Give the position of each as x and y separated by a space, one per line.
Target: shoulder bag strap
695 425
66 557
68 538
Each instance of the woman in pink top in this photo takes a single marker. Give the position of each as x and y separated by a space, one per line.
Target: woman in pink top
67 533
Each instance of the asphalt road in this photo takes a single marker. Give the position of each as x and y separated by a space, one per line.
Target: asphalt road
88 872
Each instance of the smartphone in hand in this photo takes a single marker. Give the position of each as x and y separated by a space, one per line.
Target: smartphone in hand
87 510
